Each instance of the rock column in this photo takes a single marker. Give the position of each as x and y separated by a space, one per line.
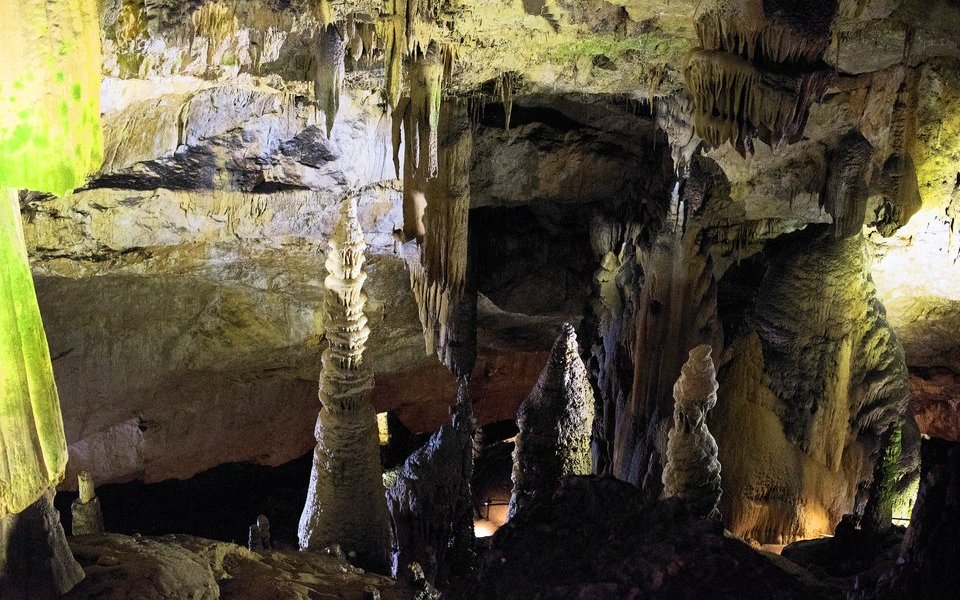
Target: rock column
346 504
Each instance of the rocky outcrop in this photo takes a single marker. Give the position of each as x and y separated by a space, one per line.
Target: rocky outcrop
431 504
595 538
179 567
345 499
555 422
692 471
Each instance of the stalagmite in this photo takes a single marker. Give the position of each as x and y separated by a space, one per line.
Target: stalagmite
345 500
87 516
431 503
328 72
555 423
692 471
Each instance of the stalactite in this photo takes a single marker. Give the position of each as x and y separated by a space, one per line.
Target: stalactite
345 500
214 21
505 85
555 421
736 101
845 194
394 34
779 31
692 471
438 272
328 73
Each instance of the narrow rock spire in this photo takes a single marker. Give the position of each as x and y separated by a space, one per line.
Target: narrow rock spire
87 516
692 472
346 504
555 424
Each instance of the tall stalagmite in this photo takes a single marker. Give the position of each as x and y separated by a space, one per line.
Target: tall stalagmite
555 424
345 501
692 472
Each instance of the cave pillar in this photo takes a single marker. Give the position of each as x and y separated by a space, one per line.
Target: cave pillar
346 502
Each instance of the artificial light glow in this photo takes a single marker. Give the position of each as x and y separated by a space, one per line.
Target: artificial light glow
383 428
33 451
50 135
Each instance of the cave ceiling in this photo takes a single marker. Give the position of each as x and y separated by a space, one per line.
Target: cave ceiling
188 273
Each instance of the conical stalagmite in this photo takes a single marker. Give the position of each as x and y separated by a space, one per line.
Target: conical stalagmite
555 423
692 472
346 504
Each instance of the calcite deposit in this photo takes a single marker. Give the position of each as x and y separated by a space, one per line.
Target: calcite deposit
775 180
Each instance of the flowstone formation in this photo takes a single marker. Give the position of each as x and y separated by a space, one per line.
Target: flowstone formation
87 515
692 471
345 500
555 421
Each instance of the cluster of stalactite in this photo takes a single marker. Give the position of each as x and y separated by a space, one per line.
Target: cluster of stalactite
214 21
758 69
440 208
555 422
346 504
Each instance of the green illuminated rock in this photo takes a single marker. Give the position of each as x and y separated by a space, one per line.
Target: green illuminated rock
50 136
33 451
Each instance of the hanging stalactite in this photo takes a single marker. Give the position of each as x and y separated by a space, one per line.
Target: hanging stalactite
328 72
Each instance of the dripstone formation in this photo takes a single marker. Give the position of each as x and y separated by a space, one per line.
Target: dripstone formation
87 516
555 423
692 472
345 501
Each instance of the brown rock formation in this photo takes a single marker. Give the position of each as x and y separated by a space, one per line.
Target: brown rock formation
555 421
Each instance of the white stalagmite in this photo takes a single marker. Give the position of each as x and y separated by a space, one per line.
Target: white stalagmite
346 504
692 472
555 422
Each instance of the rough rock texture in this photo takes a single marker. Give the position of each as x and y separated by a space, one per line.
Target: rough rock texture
596 539
555 422
431 503
35 561
692 471
345 499
188 568
925 567
815 380
85 510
